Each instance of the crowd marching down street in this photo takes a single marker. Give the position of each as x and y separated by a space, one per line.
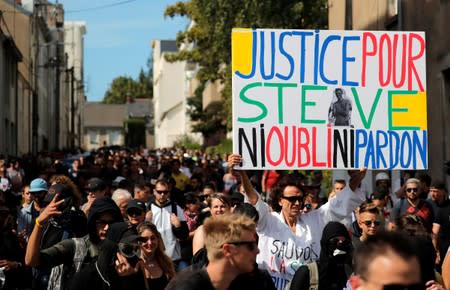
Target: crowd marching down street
176 219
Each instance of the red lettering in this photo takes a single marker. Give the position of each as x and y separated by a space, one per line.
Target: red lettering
275 130
402 63
411 59
329 138
314 149
366 53
385 40
303 146
291 162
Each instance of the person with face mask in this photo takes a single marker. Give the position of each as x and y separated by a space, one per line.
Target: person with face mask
334 266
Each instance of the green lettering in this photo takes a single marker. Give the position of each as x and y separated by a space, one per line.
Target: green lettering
280 97
247 100
392 110
366 122
310 104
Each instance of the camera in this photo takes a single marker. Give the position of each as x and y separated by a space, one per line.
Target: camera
130 251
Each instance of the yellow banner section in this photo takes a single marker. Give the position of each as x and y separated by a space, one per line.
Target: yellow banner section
415 110
241 45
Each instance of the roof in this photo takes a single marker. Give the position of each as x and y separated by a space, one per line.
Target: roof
140 108
104 115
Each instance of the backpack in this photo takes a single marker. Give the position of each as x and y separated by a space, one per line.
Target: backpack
313 277
61 274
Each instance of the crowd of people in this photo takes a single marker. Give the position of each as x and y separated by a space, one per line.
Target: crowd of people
177 219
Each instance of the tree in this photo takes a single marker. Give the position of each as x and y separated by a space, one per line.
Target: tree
211 34
123 86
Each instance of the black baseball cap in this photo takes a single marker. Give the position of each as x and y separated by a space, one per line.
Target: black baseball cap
95 184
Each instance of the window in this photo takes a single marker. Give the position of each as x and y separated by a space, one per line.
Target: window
114 137
93 137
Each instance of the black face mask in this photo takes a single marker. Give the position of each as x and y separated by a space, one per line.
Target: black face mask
338 252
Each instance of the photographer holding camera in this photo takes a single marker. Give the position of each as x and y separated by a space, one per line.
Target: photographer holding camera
70 255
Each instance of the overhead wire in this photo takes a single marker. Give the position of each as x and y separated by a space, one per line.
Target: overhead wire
99 7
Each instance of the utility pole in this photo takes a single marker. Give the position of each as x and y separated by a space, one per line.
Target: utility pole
35 92
72 107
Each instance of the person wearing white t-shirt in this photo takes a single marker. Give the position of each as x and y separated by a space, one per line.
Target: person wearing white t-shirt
288 239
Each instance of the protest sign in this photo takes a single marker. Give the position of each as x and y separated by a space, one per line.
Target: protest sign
324 99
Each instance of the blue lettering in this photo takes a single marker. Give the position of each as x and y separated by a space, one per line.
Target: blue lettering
346 59
322 57
289 58
382 142
359 145
405 153
272 56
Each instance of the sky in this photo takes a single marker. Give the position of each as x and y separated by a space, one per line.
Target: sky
119 36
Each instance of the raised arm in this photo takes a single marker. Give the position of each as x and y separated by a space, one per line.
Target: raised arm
250 192
32 255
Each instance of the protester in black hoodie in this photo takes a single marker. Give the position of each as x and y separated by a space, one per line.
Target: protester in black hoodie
334 264
73 253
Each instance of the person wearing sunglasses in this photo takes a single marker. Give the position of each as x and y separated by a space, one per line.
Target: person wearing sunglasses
136 211
387 261
230 241
368 222
413 204
289 238
170 222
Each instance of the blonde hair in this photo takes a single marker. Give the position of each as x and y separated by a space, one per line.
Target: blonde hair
224 229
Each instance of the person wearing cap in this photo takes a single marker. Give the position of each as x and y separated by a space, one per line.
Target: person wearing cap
102 213
95 188
136 211
26 216
382 179
441 226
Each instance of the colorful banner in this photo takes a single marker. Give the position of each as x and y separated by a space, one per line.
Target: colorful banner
324 99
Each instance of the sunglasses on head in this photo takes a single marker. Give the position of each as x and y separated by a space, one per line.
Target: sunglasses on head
369 223
293 199
162 191
411 189
251 245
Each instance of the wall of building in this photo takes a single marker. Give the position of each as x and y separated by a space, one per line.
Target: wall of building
169 98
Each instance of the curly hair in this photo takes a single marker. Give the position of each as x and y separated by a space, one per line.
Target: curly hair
63 179
161 257
277 190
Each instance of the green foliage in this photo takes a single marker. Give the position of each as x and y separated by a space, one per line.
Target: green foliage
187 142
208 121
124 86
211 34
226 146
